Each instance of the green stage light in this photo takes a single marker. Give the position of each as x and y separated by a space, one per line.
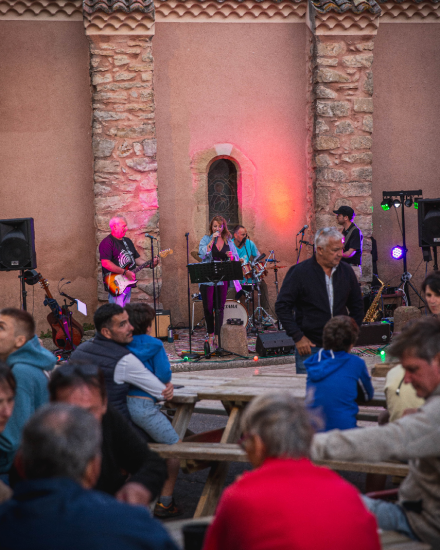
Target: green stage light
416 204
386 204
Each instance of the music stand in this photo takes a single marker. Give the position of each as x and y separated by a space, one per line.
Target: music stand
215 272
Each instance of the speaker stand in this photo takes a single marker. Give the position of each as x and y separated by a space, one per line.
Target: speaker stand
23 290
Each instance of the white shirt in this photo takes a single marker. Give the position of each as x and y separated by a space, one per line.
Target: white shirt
329 285
131 370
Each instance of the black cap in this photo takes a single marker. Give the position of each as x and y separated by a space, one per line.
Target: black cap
345 211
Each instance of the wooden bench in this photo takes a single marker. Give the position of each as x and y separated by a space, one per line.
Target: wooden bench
231 452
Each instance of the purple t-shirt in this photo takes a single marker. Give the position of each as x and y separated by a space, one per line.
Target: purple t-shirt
119 251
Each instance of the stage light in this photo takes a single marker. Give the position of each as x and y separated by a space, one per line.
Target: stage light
416 203
409 202
386 204
397 252
397 203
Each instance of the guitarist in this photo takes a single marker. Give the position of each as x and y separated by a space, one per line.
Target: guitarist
118 255
353 239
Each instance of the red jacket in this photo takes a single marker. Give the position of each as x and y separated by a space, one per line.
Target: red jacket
291 504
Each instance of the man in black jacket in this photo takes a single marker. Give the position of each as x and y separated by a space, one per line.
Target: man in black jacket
130 470
317 290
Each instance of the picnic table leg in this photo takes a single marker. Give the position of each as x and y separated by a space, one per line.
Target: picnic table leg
182 418
219 470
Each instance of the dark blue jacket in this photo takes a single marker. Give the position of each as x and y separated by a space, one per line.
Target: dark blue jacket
58 514
304 290
334 379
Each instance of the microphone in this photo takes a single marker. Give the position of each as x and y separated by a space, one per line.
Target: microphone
186 234
302 230
277 261
260 257
150 236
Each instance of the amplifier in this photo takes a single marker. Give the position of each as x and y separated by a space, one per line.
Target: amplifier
274 343
163 317
374 333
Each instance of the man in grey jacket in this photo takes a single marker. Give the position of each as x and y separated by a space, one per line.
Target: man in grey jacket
414 438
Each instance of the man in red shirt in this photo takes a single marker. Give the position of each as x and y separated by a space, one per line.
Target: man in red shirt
288 503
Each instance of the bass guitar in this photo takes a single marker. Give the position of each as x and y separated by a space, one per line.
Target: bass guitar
117 283
66 332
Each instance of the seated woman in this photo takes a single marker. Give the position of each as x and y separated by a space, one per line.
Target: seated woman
431 288
286 502
335 378
219 247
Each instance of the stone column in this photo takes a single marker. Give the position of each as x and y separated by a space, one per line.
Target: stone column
124 135
342 63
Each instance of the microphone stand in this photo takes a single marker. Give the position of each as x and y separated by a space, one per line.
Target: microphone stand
154 282
300 244
190 355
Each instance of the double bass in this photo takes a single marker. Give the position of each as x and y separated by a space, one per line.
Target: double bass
66 332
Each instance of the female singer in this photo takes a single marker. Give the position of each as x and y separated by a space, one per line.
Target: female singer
218 247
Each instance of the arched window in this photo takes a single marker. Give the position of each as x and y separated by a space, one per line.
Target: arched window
222 191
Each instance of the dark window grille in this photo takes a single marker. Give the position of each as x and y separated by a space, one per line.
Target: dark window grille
222 191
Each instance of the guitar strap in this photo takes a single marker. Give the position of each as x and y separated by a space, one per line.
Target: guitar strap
348 235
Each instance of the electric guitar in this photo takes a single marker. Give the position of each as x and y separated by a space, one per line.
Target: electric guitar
117 283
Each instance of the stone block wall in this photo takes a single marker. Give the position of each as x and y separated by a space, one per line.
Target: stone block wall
343 89
124 145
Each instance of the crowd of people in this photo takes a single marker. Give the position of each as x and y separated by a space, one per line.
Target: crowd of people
76 469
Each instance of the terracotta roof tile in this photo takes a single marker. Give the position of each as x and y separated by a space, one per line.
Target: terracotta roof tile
110 6
341 6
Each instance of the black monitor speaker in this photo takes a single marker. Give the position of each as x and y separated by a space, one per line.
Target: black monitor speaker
17 244
429 222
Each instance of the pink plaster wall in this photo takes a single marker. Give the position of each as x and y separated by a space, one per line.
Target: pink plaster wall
406 136
46 155
243 84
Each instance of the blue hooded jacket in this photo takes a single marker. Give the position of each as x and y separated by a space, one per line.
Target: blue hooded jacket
334 379
152 353
28 366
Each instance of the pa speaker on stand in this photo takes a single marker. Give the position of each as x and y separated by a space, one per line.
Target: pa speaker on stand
429 227
17 248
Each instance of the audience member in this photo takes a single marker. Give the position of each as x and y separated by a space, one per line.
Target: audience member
54 507
287 502
335 378
431 288
7 395
400 396
130 470
143 407
120 367
22 351
413 437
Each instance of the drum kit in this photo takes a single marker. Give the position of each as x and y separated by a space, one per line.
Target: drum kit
254 318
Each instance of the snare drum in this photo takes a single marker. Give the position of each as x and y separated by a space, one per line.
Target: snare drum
235 310
247 270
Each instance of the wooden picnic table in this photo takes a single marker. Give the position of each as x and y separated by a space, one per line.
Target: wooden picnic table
234 393
390 540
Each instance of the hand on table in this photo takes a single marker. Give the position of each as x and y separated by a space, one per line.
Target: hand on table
168 392
303 346
134 493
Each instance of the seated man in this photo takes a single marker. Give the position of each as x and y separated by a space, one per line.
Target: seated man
287 502
123 449
7 395
335 378
54 507
22 351
120 367
414 437
143 407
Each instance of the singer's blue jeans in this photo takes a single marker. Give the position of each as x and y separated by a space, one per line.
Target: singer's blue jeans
299 360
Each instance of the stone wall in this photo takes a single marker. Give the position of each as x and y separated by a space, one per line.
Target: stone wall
124 145
343 89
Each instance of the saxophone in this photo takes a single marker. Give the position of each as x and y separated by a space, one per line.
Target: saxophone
374 311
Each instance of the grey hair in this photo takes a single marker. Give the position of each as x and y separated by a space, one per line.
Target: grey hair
323 236
420 337
113 221
282 423
59 440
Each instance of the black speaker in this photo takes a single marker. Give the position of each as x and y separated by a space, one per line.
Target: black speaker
17 244
372 334
429 222
274 343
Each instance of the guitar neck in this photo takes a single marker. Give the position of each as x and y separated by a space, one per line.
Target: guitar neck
146 264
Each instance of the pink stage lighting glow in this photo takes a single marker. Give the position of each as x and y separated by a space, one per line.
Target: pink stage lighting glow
397 252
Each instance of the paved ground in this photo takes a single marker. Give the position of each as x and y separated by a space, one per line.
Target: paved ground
189 486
